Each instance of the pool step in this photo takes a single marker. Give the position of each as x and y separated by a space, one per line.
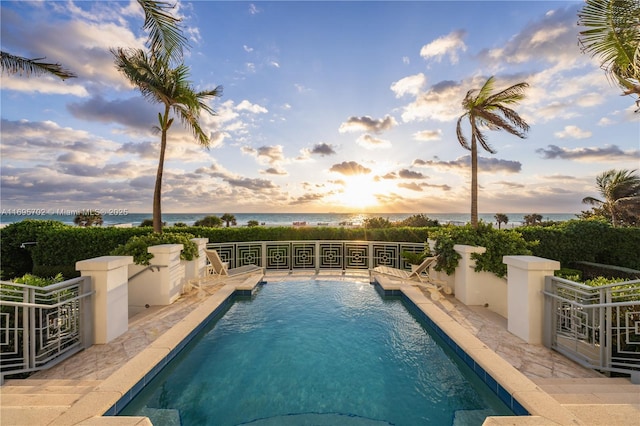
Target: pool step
470 417
32 401
161 416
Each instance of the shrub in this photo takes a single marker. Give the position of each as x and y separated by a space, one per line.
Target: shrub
17 259
498 243
137 246
209 221
418 221
37 281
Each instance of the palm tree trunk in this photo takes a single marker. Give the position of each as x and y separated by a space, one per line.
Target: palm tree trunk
157 192
474 182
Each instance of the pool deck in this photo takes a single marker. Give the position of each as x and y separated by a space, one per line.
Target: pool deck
556 390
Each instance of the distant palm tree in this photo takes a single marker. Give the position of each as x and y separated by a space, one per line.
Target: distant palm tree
160 83
13 64
613 34
485 109
501 218
228 218
532 219
620 189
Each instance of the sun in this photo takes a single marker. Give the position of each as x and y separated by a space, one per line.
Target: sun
358 192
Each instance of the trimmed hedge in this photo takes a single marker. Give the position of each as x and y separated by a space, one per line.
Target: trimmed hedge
587 241
60 246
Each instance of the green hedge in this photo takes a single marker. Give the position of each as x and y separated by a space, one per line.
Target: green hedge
60 246
587 241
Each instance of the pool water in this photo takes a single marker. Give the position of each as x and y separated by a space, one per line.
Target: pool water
317 352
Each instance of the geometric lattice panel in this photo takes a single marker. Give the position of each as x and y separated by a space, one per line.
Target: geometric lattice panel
357 256
303 255
278 256
385 255
331 256
248 255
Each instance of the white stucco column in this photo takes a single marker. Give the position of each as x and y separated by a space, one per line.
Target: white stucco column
467 289
195 268
525 301
168 285
109 281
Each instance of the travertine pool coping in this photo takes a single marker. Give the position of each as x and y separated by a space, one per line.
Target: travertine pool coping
89 409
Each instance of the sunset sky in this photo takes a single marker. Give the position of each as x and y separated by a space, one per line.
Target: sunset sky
327 107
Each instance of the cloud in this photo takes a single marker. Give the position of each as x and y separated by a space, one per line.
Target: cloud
485 165
370 142
573 132
440 102
447 45
251 184
322 149
411 85
274 171
608 153
265 154
428 135
245 105
132 112
308 198
367 124
350 168
411 186
410 174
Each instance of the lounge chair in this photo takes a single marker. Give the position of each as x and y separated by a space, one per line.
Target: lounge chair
219 268
419 276
421 273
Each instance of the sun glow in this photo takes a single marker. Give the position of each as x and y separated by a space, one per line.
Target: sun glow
358 192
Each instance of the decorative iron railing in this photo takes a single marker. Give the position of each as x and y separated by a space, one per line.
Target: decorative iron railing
598 327
316 255
42 326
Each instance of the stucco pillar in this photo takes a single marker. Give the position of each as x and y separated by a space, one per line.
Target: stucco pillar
525 301
109 278
467 289
195 268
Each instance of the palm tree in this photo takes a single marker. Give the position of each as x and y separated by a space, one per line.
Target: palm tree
532 219
620 189
501 218
228 218
160 83
489 110
612 33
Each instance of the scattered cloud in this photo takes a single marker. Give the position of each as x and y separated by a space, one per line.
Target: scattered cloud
428 135
371 142
367 124
573 132
350 168
607 153
485 165
411 85
447 45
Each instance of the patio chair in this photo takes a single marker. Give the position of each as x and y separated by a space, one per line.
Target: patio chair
420 273
218 268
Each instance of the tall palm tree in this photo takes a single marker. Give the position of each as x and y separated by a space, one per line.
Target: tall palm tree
13 64
161 83
488 110
613 34
620 189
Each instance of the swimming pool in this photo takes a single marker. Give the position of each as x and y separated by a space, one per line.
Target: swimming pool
317 352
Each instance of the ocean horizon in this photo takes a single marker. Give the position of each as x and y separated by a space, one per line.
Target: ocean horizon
282 219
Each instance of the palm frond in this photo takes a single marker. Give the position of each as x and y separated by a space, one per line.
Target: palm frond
165 35
461 138
18 65
612 33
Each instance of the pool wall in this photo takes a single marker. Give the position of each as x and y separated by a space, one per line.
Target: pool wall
515 389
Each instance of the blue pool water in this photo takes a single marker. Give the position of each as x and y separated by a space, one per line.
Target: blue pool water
318 353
